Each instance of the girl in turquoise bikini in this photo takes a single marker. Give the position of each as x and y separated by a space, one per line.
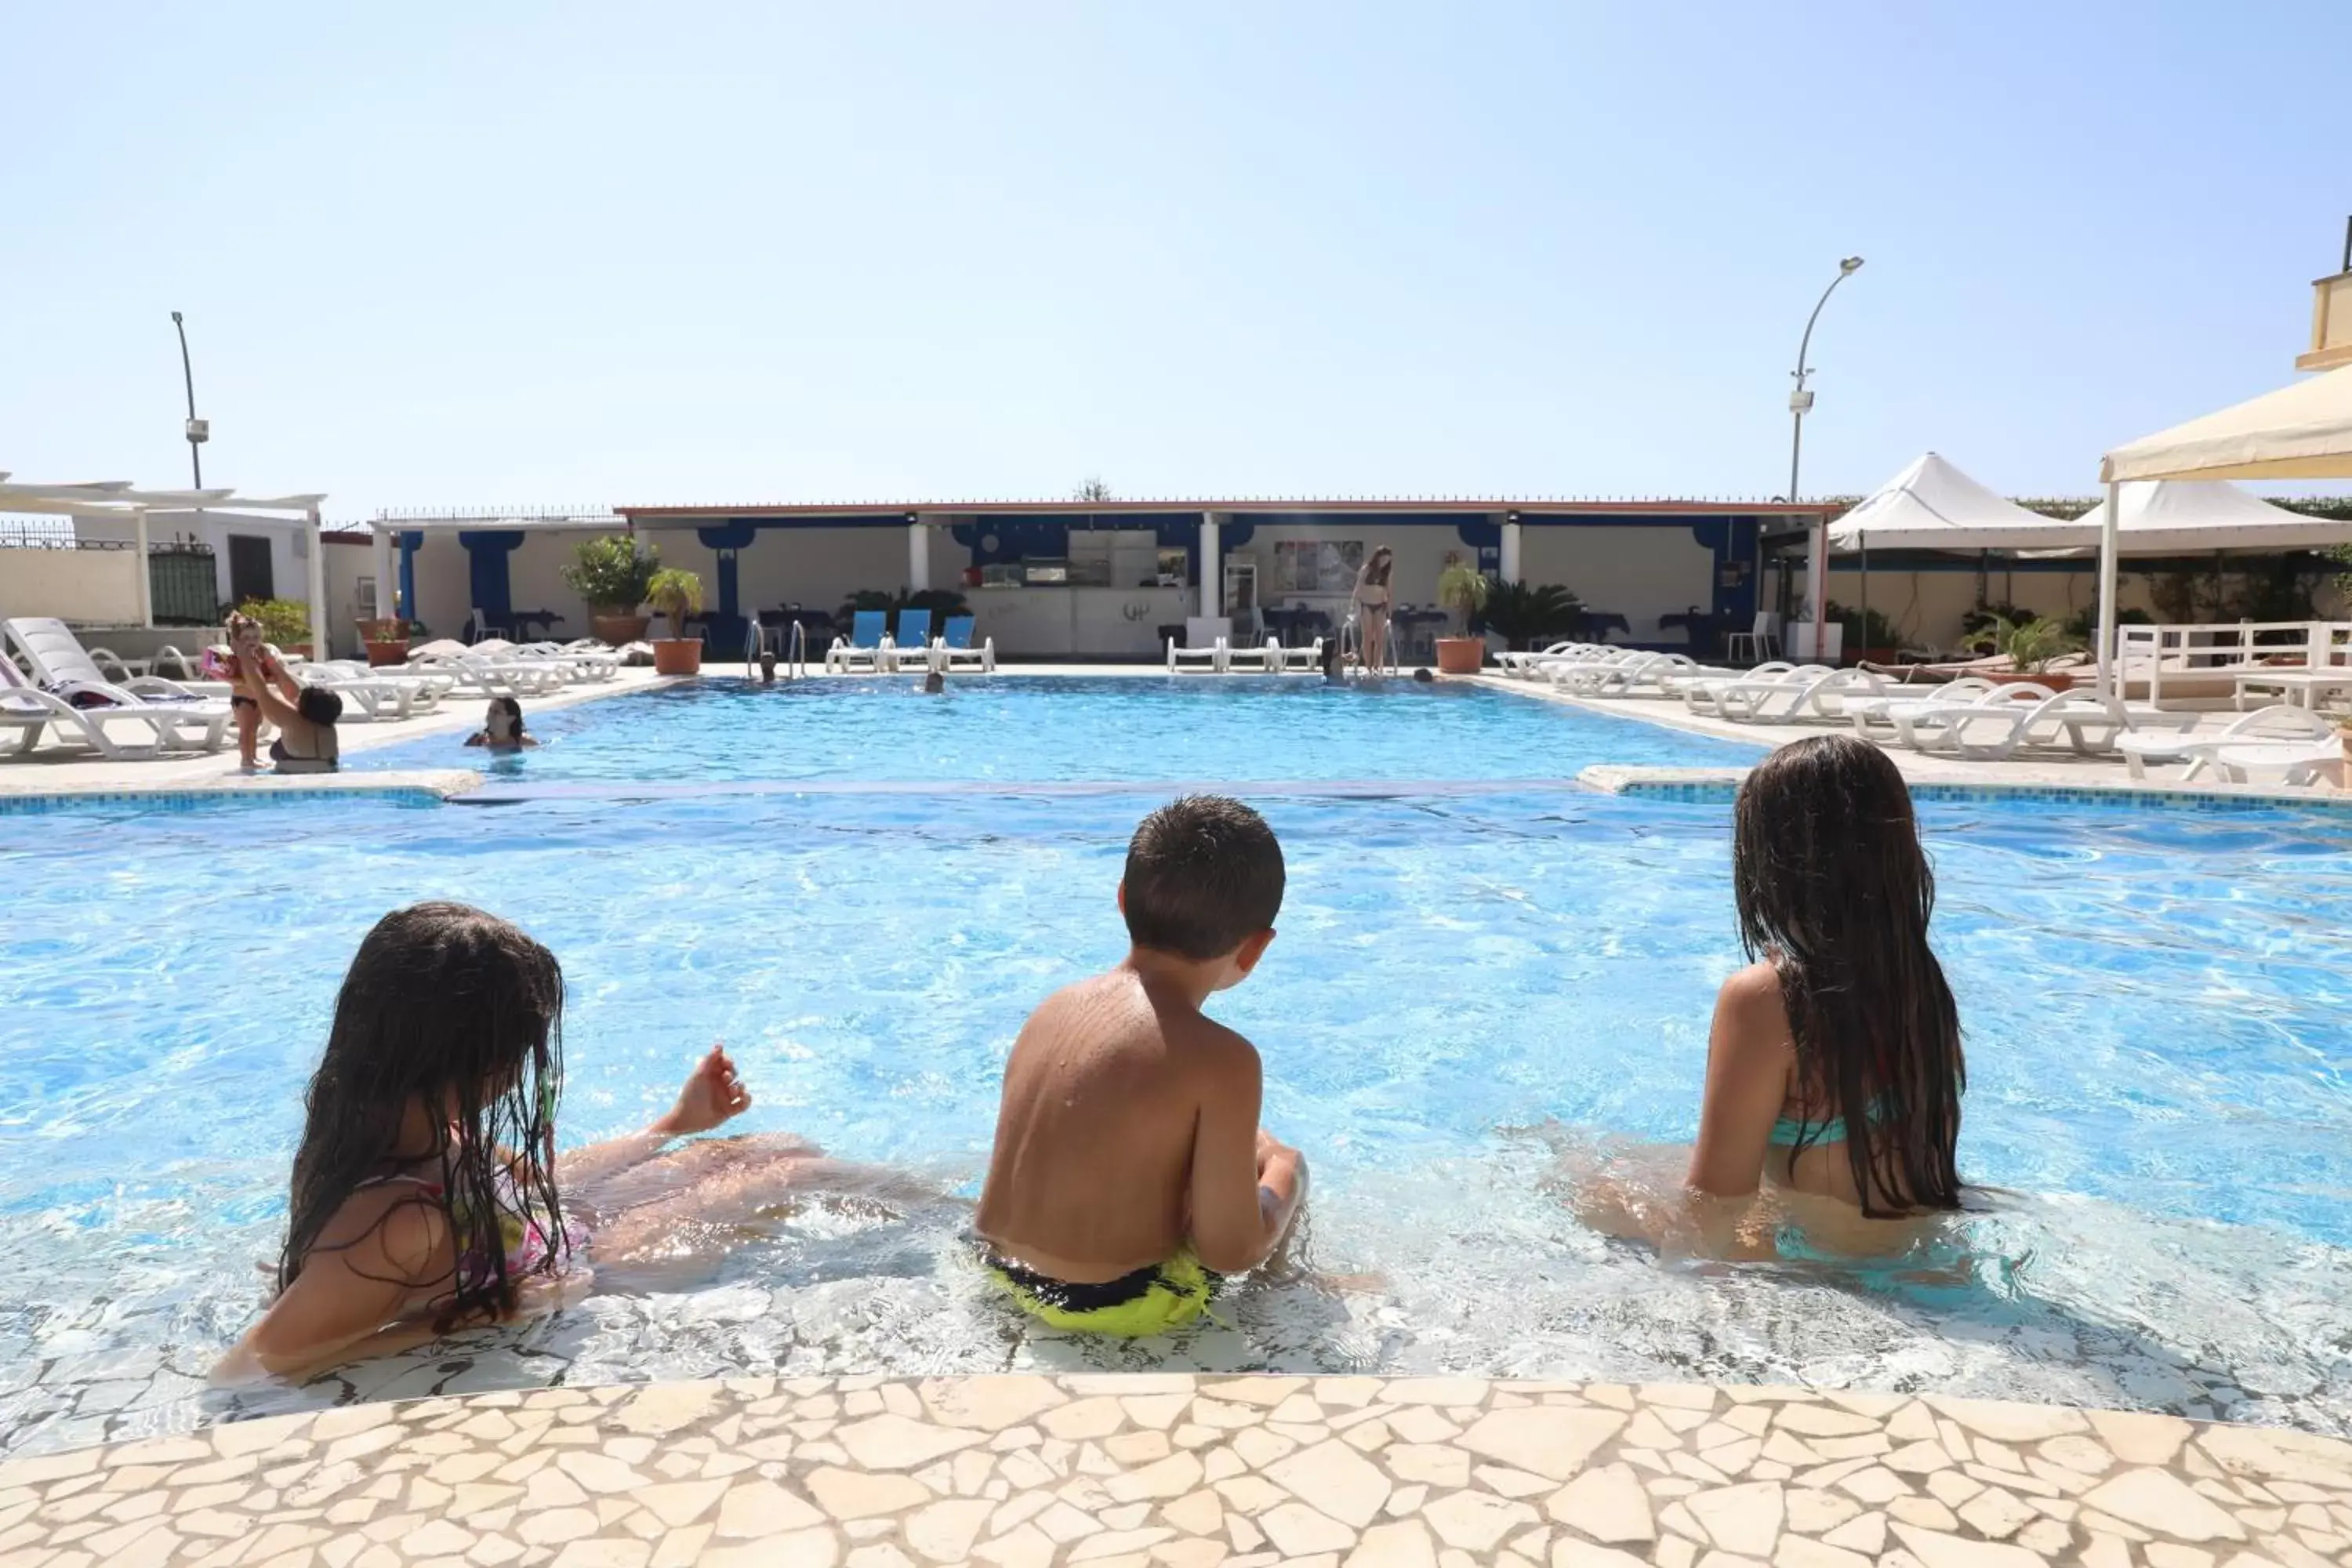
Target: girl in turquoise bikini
1834 1063
427 1192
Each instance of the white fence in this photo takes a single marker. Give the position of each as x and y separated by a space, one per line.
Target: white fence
2217 660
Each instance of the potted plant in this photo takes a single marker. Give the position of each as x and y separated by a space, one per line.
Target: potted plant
386 638
2029 645
1462 588
285 623
613 576
676 594
1869 634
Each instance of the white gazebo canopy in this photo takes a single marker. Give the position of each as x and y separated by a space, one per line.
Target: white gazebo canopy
1931 505
2300 432
2183 517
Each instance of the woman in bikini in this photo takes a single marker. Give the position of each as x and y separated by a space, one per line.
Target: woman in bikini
1372 600
427 1192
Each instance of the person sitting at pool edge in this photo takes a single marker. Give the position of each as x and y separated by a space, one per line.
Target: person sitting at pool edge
502 728
304 715
427 1191
1129 1161
1834 1063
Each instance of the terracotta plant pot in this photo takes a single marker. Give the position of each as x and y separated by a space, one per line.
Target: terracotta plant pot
1460 655
2055 680
619 631
391 650
676 656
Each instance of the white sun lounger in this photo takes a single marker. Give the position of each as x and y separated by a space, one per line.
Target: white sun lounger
1527 664
376 693
1211 658
1269 657
1868 714
2297 762
1793 697
59 661
2023 713
2282 725
170 726
491 677
1707 694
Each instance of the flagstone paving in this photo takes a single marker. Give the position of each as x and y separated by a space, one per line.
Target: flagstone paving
1186 1472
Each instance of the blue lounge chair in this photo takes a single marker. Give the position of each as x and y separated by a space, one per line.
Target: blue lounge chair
863 646
955 646
913 644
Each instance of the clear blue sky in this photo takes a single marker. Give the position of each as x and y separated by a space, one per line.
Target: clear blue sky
504 254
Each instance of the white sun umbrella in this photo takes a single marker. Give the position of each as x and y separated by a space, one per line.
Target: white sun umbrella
2299 432
2182 517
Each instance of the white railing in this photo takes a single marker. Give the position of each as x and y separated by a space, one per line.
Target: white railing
2199 654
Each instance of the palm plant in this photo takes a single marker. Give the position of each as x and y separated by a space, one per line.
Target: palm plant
2028 645
676 594
1526 615
1463 589
614 574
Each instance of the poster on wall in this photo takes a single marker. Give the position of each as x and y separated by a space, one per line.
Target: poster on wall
1317 565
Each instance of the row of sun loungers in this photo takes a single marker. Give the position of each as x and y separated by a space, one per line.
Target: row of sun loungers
871 645
1224 657
1972 717
68 693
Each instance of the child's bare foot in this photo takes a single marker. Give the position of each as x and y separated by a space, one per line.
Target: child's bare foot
712 1095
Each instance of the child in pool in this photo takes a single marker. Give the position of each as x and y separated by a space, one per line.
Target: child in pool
427 1191
1129 1161
502 728
1834 1066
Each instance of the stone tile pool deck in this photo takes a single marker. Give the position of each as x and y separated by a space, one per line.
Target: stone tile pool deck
1336 1472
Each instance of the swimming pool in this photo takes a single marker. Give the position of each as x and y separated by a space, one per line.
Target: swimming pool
1463 986
1043 729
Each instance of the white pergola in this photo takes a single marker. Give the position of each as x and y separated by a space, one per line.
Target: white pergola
121 501
2299 432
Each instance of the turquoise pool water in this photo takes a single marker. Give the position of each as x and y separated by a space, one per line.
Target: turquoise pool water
1466 990
1052 729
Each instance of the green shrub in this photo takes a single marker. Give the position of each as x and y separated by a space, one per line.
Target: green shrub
284 622
612 573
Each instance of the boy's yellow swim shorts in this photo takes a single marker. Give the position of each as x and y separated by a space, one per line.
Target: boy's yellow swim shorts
1151 1301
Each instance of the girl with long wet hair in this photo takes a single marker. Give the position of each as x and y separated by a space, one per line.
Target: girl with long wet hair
425 1189
1834 1062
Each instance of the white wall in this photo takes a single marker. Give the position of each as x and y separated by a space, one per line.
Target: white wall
1638 573
821 567
1927 606
289 543
1420 551
347 562
90 587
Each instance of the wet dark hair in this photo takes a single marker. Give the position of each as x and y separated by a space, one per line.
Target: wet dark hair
1379 564
1204 876
513 709
319 705
456 1008
1835 893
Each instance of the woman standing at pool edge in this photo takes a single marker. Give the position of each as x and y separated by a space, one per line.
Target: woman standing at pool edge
1834 1061
1372 600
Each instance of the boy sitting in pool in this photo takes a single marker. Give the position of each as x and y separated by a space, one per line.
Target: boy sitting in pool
1129 1161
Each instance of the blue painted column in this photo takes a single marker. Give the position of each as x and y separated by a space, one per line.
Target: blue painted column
726 628
410 543
487 549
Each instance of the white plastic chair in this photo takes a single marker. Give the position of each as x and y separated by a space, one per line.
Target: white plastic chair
1762 639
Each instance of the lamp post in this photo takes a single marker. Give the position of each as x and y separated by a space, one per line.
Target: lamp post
199 430
1801 402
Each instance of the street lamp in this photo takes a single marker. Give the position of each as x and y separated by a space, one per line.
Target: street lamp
1801 402
199 430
